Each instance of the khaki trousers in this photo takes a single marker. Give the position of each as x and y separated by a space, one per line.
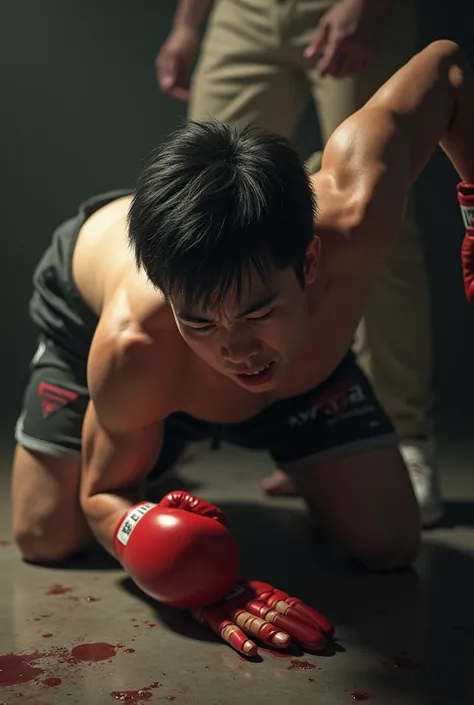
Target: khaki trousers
252 70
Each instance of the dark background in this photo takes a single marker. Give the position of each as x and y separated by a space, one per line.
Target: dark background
80 110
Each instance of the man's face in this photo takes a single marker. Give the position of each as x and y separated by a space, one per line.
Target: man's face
254 340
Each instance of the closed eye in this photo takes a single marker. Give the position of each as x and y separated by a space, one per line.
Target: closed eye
202 329
207 329
263 316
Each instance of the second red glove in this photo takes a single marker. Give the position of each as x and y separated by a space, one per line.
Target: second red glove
466 202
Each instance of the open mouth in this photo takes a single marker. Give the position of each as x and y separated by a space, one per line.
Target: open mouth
258 376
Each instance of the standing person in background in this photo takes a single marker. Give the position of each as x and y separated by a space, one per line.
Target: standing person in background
260 63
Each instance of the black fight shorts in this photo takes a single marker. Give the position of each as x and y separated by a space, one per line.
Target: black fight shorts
339 417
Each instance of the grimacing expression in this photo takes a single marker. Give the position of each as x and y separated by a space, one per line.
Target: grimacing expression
268 324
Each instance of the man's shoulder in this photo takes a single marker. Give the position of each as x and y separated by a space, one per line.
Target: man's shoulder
132 374
362 194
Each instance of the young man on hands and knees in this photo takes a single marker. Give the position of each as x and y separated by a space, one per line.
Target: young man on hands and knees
251 281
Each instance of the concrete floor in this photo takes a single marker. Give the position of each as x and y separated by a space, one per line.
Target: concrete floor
83 634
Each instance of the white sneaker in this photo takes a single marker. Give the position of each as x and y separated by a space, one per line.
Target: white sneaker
420 459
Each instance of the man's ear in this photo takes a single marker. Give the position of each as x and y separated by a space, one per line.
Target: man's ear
311 259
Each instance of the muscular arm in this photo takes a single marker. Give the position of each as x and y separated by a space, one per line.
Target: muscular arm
114 463
377 153
122 432
431 100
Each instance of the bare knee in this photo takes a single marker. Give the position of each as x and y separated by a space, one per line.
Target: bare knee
48 524
39 545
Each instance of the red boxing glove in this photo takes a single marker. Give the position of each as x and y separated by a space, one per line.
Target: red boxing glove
258 609
466 201
178 551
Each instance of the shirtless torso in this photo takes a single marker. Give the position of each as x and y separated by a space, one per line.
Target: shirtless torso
134 314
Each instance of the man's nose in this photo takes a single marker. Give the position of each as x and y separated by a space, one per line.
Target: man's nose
238 346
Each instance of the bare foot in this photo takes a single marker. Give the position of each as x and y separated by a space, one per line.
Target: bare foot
279 484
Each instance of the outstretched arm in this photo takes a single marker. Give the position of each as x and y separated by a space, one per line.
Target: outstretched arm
377 153
432 100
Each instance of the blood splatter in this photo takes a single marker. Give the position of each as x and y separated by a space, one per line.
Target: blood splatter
23 668
296 665
406 662
129 697
171 698
132 696
360 696
19 668
52 682
95 652
47 636
58 589
126 651
150 624
310 680
93 599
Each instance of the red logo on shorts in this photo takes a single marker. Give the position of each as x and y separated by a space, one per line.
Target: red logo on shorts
53 397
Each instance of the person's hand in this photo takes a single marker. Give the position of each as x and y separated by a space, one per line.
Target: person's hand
257 609
173 62
347 36
466 202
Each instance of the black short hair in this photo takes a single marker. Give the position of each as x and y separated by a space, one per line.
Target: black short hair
214 201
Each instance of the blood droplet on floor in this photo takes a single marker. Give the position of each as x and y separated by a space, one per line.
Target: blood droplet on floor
52 682
310 680
129 697
93 652
135 696
47 636
58 589
296 665
19 668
